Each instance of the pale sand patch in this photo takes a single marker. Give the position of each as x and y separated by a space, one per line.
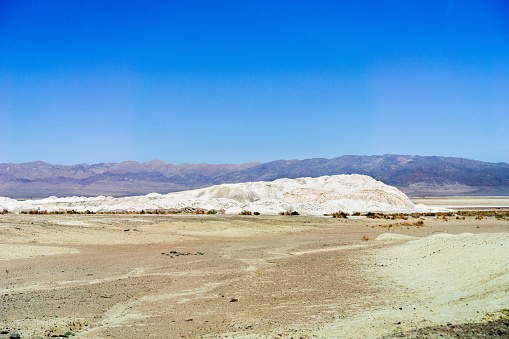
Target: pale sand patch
14 251
440 278
394 237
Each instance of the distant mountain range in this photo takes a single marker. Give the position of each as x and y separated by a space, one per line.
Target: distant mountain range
414 175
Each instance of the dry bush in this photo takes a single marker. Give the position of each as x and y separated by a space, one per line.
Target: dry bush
399 216
490 213
403 224
256 213
340 214
372 215
289 213
365 238
245 212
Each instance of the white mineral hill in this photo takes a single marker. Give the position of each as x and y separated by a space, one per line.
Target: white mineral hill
308 196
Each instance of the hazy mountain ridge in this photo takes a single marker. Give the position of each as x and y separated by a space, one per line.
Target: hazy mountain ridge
414 175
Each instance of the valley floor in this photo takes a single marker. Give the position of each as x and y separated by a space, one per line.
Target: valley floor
217 276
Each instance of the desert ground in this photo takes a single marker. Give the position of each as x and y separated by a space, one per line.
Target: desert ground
232 276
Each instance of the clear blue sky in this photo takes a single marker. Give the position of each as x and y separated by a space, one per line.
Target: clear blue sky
240 81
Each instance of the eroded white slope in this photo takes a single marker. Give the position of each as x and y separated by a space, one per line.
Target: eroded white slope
310 196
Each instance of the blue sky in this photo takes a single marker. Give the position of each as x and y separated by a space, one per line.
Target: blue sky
240 81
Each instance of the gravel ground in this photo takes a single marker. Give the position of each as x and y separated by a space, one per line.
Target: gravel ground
194 276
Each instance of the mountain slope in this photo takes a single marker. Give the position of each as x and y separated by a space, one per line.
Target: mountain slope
414 175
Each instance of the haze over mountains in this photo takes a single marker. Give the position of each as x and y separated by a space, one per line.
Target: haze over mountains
414 175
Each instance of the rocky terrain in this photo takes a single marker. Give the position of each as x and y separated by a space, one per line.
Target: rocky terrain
414 175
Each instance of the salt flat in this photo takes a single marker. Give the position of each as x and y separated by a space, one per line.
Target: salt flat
247 276
465 202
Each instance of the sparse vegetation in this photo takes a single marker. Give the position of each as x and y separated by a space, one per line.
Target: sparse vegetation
245 212
399 216
187 210
406 224
340 214
372 215
289 213
460 215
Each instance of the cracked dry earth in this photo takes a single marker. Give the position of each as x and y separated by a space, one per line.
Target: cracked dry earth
193 276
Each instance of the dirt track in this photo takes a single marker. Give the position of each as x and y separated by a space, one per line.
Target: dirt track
235 276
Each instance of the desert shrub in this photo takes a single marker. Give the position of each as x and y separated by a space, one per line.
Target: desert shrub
245 212
356 214
399 216
479 217
4 211
491 213
340 214
365 238
256 213
211 212
501 215
289 213
372 215
34 212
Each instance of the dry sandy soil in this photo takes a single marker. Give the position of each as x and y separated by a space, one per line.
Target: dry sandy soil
217 276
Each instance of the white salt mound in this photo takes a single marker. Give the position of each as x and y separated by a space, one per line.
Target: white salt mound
308 196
